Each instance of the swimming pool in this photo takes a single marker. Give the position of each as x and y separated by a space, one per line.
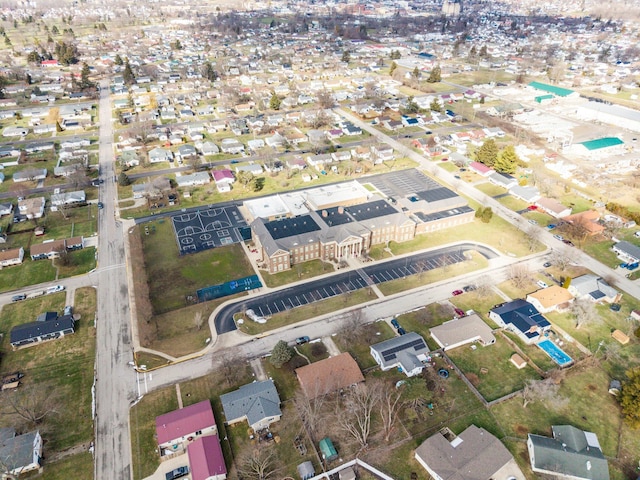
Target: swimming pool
555 352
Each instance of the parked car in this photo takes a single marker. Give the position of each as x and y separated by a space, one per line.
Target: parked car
455 293
558 237
54 289
532 207
615 307
542 284
533 222
469 288
632 266
568 242
459 312
302 340
100 205
546 264
401 331
19 297
551 226
395 323
177 473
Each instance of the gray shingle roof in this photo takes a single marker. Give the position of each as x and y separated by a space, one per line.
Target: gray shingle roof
256 401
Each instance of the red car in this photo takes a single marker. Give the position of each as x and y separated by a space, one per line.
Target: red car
455 293
459 312
532 207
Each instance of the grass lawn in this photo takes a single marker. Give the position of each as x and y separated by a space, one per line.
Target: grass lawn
82 261
601 251
394 286
490 189
172 277
64 365
420 321
78 467
478 303
513 203
537 356
500 376
497 233
80 221
448 166
576 202
306 312
358 343
300 271
29 273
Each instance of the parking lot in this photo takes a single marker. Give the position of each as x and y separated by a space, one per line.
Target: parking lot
331 286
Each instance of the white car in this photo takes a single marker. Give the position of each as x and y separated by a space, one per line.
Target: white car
55 288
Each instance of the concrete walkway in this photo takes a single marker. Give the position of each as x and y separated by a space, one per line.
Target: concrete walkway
258 369
332 348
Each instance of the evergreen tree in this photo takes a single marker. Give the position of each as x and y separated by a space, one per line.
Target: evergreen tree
435 75
346 56
127 73
412 106
435 106
487 214
275 102
487 154
54 30
209 73
118 60
416 73
507 160
280 354
84 77
392 68
630 398
123 179
483 51
34 57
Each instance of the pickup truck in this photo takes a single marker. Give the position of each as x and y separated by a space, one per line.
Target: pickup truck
177 473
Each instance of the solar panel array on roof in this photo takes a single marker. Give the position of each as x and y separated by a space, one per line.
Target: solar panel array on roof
597 295
435 194
288 227
332 216
366 211
391 353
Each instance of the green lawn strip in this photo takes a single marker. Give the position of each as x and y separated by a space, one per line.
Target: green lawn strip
66 364
178 333
490 189
397 461
497 233
448 166
305 312
420 321
80 221
149 360
172 277
509 289
29 273
358 343
478 303
300 271
589 407
423 278
82 261
126 203
513 203
601 251
142 417
78 467
378 252
489 368
576 202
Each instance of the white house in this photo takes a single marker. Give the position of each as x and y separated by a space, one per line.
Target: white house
405 351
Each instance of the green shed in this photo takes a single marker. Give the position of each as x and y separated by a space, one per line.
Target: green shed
329 452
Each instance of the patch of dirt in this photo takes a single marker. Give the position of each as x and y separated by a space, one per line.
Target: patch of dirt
521 430
591 387
473 378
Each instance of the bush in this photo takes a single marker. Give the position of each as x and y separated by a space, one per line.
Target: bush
280 354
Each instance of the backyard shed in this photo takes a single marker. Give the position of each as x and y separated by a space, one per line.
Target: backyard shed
305 470
329 452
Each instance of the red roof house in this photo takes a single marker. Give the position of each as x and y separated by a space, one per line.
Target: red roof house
206 460
49 63
480 169
175 428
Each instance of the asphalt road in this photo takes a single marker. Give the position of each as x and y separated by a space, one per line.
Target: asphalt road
114 378
339 283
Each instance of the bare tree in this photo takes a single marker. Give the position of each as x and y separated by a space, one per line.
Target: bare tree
519 274
354 413
533 237
351 324
563 257
309 410
484 286
389 404
32 404
325 98
584 312
542 390
227 364
198 320
257 465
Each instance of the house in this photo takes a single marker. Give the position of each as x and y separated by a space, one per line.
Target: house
252 168
231 145
20 453
48 326
553 207
461 331
224 179
571 453
551 298
30 174
67 198
206 459
158 154
627 251
587 221
522 318
186 151
475 454
382 153
526 193
258 403
209 148
31 207
15 132
176 429
11 257
504 181
193 179
594 288
481 169
6 208
406 352
276 140
53 249
329 375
